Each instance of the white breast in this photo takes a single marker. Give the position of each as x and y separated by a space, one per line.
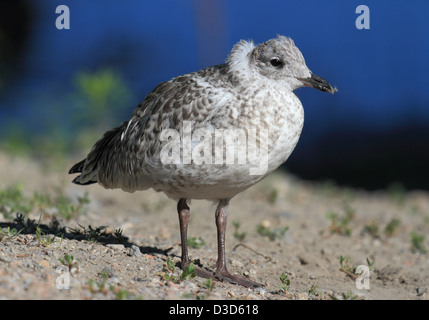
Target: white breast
289 134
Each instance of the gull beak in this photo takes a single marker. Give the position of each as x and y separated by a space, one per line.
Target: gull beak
318 83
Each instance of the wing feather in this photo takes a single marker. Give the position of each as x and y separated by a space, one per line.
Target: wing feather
119 158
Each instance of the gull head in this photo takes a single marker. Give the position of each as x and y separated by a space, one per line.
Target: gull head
279 60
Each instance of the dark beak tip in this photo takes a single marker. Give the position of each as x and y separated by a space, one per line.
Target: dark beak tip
319 83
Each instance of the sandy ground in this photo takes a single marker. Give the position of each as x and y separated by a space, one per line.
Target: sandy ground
307 253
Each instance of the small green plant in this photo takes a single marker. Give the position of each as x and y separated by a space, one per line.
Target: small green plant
341 225
99 286
169 270
189 272
314 291
238 235
347 268
350 270
285 282
273 234
94 286
372 229
208 285
196 243
120 294
8 234
392 227
349 295
43 239
70 262
417 242
371 264
103 288
273 196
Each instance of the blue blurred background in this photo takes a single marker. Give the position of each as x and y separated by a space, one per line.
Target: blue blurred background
55 84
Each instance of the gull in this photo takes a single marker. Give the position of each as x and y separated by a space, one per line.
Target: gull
252 92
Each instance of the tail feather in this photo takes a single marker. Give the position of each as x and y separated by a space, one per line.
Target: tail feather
78 167
77 181
90 166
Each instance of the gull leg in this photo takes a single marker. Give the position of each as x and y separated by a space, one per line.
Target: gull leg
184 215
222 272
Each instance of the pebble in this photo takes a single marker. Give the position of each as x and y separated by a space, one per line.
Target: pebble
421 291
135 251
260 291
44 263
4 258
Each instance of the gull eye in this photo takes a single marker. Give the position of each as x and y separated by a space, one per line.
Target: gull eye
275 62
